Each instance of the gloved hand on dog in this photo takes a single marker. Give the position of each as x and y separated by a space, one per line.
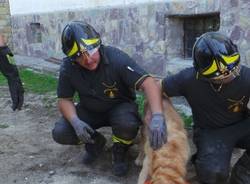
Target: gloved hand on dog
157 131
83 130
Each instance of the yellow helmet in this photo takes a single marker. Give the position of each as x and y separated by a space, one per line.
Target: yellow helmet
79 36
215 55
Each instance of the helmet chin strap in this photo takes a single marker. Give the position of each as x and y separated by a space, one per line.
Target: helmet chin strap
224 80
227 75
218 89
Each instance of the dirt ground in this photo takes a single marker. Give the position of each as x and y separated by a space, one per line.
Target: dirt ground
28 154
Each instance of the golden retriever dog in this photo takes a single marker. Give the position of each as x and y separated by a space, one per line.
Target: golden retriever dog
166 165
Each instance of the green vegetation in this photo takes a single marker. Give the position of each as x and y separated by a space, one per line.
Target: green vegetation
35 82
3 81
140 101
188 120
4 126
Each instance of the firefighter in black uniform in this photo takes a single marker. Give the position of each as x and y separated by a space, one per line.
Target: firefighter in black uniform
218 90
105 79
9 70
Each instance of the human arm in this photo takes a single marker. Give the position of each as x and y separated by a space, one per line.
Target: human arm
9 70
157 126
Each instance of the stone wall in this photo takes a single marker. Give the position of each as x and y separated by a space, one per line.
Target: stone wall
136 30
151 33
236 24
5 24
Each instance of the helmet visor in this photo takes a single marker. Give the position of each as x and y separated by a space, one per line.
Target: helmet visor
223 66
83 47
88 53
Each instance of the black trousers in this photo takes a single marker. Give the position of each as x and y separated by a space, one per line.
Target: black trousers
123 118
214 150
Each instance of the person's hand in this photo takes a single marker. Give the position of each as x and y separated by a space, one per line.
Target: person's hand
157 131
83 130
16 93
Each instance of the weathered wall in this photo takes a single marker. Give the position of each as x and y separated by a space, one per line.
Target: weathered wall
152 33
45 6
135 30
5 24
236 24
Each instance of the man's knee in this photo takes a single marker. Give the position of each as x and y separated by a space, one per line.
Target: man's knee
212 174
127 131
63 133
57 135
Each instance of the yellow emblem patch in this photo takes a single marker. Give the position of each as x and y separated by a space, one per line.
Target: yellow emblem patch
111 91
237 105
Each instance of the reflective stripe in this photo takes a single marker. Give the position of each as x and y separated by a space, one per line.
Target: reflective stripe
119 140
231 59
73 50
213 68
141 78
90 41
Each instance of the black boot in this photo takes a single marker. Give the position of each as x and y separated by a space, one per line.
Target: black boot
241 171
119 159
94 150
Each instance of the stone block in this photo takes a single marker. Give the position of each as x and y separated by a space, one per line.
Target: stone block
116 13
160 18
236 33
234 3
4 10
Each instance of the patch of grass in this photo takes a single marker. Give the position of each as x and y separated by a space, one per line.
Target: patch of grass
3 80
35 82
188 120
38 83
2 126
140 99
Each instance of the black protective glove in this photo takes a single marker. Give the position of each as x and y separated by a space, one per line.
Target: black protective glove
9 70
83 130
157 131
16 93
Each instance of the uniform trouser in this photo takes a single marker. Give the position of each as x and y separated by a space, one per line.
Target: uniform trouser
214 151
123 119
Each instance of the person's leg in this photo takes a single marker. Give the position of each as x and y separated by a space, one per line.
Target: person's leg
95 120
212 160
241 171
64 133
125 122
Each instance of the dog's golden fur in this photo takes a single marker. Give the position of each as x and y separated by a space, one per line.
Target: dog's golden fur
166 165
